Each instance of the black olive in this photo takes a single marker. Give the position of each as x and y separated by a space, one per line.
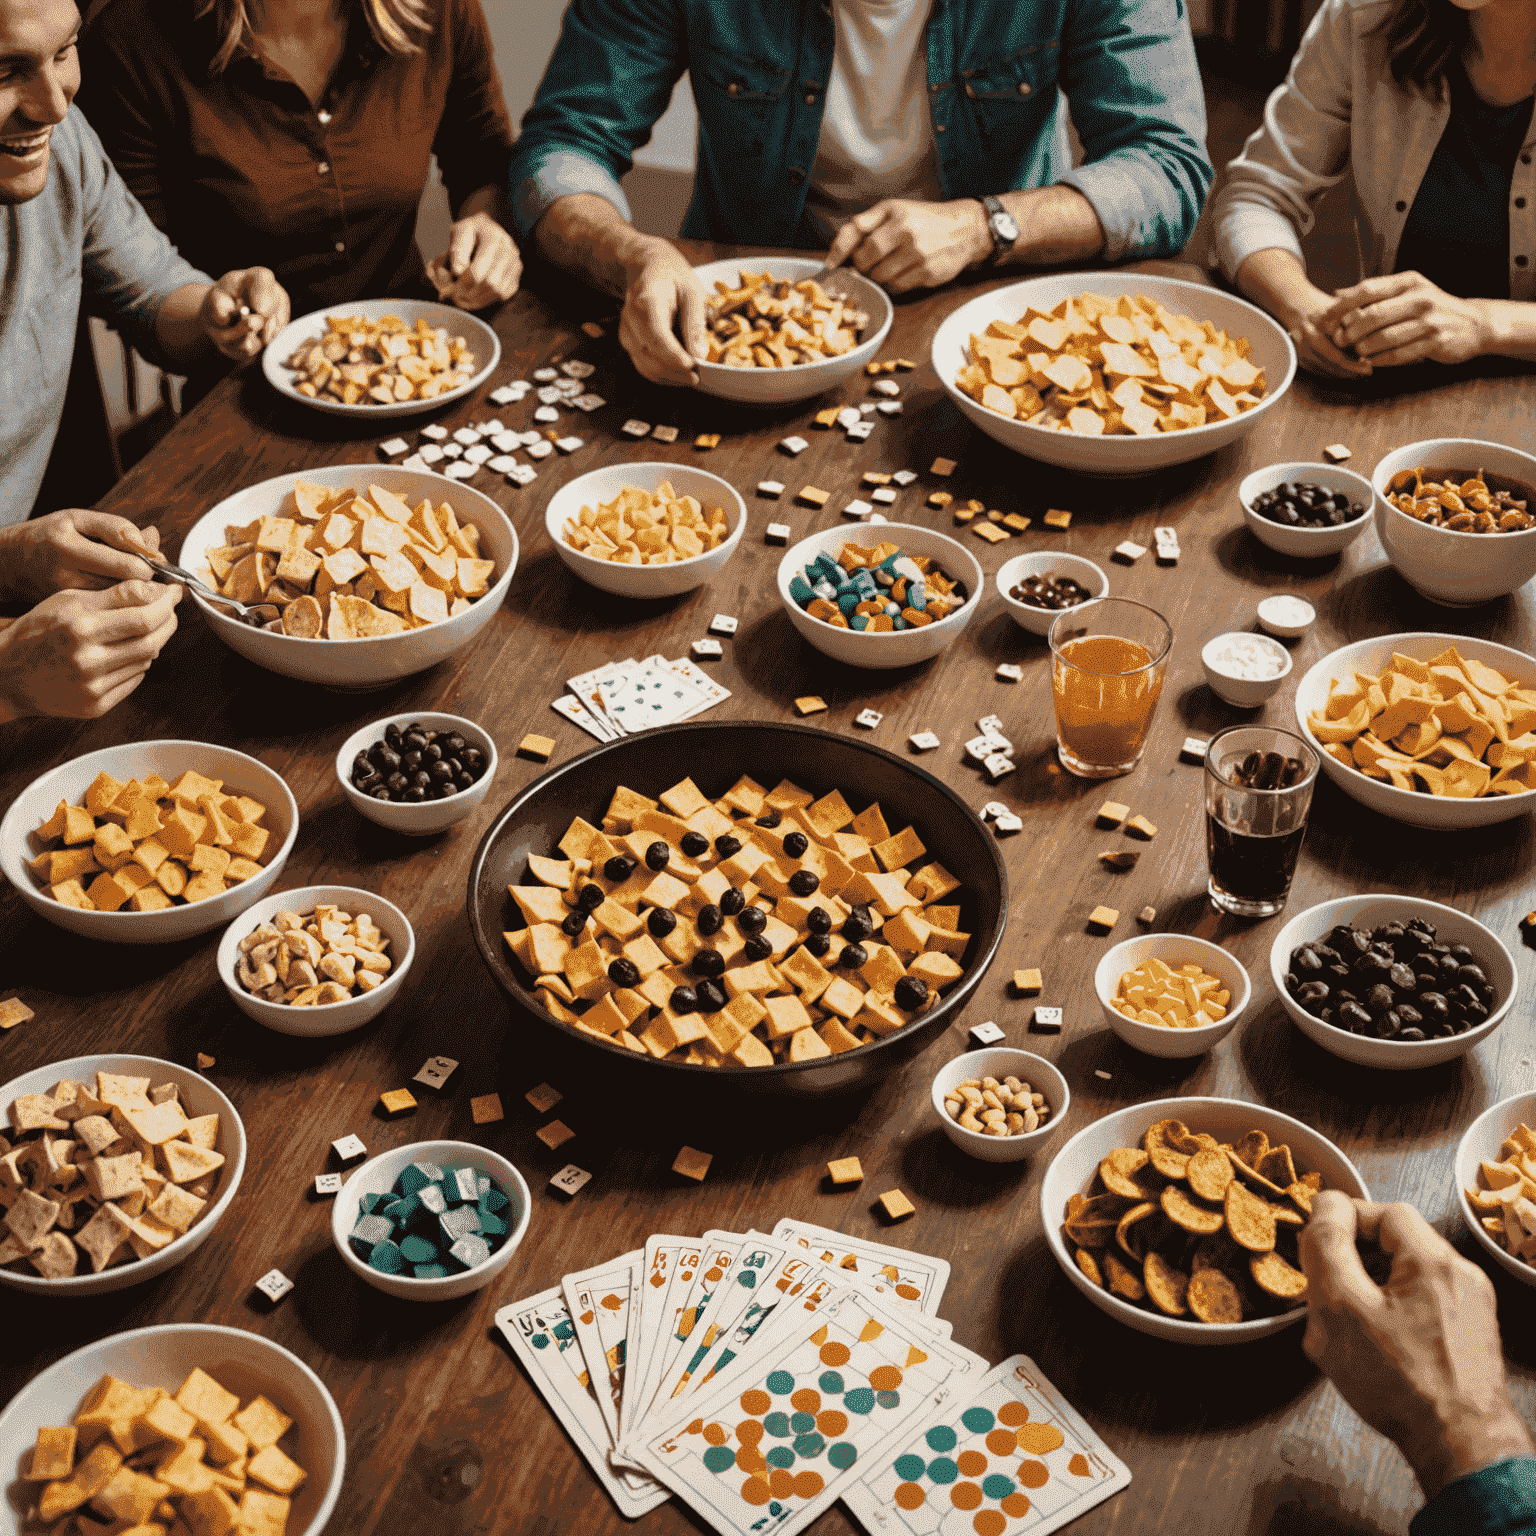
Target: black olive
362 762
623 972
590 897
707 962
1408 1015
660 922
414 738
432 752
819 920
795 844
440 773
410 761
818 944
1464 956
421 779
804 882
464 781
694 844
683 1000
732 902
1387 1025
381 793
1473 976
752 920
859 925
1293 983
712 997
911 993
709 919
657 855
757 947
453 743
1412 1032
385 758
853 956
1313 993
1401 976
454 765
769 819
1379 999
726 845
575 922
414 795
398 782
446 791
473 759
1434 1007
619 867
392 733
1305 959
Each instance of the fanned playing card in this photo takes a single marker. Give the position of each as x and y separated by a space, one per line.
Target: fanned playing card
571 708
1012 1458
652 696
917 1279
714 693
599 1300
666 1257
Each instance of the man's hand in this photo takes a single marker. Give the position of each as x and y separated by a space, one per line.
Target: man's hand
1405 318
243 311
72 549
481 265
662 298
1417 1358
902 244
78 653
1317 346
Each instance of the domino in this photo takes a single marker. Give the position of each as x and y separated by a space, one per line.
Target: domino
983 1035
1010 672
1046 1021
589 403
776 533
993 808
274 1285
991 723
707 650
636 428
772 489
436 1071
868 718
998 766
394 447
723 624
327 1183
793 446
570 1181
664 434
349 1149
980 748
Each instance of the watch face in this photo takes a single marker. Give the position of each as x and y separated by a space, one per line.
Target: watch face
1005 227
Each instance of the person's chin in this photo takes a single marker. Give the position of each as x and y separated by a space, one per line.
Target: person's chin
24 176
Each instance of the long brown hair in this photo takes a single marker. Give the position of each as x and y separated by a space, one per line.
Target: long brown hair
1422 37
398 26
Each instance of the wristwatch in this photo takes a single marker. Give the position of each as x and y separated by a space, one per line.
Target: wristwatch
1003 228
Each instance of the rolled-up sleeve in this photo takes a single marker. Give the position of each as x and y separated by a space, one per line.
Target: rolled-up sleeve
1130 77
1498 1501
608 80
1301 150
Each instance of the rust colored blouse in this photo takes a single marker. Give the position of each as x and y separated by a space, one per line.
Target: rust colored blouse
241 170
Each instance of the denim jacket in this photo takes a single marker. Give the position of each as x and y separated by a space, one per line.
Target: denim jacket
1001 74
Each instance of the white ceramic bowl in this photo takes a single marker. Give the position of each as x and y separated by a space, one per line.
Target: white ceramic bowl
1308 543
373 661
137 760
165 1356
1438 812
483 343
1073 1168
602 485
329 1018
1118 455
1275 624
1456 570
1242 692
199 1097
899 648
430 816
1039 562
1001 1061
377 1176
1173 949
1481 1143
1370 912
780 386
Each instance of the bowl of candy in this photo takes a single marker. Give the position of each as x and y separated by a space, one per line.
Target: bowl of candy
1310 510
417 773
1037 586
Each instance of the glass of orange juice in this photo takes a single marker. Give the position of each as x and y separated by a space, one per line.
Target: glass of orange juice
1108 661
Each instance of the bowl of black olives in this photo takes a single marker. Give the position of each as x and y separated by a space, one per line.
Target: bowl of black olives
1310 510
417 774
1392 981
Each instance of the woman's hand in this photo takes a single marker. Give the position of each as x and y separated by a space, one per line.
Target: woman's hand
481 265
72 549
1405 318
243 311
1316 347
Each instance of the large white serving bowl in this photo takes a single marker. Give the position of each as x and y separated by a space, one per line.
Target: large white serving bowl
1456 570
1174 949
483 343
198 1097
1039 562
1073 1168
329 1018
1370 912
1002 1061
429 816
375 660
242 775
1118 455
1438 812
603 485
1308 543
901 647
781 386
165 1356
1481 1143
377 1177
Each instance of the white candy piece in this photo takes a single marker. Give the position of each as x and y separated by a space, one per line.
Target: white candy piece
889 407
507 442
568 389
437 432
998 767
867 408
569 444
589 403
490 428
636 428
505 395
576 369
878 517
530 437
993 808
904 476
544 375
501 463
1130 552
546 413
868 718
776 533
664 434
522 474
860 432
1008 672
1336 453
414 462
477 455
770 488
430 453
462 470
451 450
887 387
394 447
1193 750
707 649
539 448
468 436
274 1285
857 509
986 1034
849 416
924 741
1009 823
723 624
348 1149
884 495
793 445
570 1180
327 1183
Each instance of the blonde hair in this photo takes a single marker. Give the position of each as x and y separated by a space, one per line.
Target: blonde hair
398 26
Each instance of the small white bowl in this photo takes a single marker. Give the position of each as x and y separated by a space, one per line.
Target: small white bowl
1043 562
1307 543
1481 1143
602 485
1173 949
1439 812
483 343
898 648
247 1364
1242 692
198 1097
1001 1061
242 775
1456 570
377 1177
372 661
1370 912
430 816
780 386
1073 1168
329 1018
1272 617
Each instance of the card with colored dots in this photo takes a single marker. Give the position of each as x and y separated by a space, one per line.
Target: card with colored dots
916 1279
1011 1458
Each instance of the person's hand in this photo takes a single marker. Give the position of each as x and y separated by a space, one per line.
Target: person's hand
1417 1358
481 265
662 299
902 244
72 549
1405 318
243 311
1316 347
79 653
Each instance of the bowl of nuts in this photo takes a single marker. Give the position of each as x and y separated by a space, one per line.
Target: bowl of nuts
417 774
1310 510
1000 1104
1170 994
317 961
1457 517
1392 981
1039 585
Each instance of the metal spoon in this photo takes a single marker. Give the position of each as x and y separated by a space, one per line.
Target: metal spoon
256 614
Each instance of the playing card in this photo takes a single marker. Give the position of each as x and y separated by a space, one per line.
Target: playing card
714 693
664 1256
599 1301
1012 1457
542 1336
651 696
918 1279
593 689
572 709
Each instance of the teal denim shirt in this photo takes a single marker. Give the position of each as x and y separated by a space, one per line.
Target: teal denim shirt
1000 73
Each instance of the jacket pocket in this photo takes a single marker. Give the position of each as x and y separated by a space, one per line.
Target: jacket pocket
1007 94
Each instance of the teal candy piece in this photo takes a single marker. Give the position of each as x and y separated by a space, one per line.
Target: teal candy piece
719 1458
780 1383
415 1176
889 563
898 622
997 1486
386 1258
800 591
437 1272
909 1468
416 1249
780 1456
491 1225
848 599
492 1198
843 1455
370 1203
859 621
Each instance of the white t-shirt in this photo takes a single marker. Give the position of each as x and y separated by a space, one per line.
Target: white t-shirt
876 130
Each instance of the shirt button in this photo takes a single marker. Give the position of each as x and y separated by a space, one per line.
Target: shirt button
810 99
1519 261
1519 202
1525 159
322 168
324 117
734 88
1025 87
1401 206
341 245
938 127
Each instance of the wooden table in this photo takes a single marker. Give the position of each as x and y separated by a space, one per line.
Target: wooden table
445 1433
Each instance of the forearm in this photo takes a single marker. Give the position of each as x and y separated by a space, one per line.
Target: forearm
490 199
1510 327
1056 224
1277 280
587 235
179 327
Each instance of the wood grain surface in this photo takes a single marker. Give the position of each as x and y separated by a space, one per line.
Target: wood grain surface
445 1432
